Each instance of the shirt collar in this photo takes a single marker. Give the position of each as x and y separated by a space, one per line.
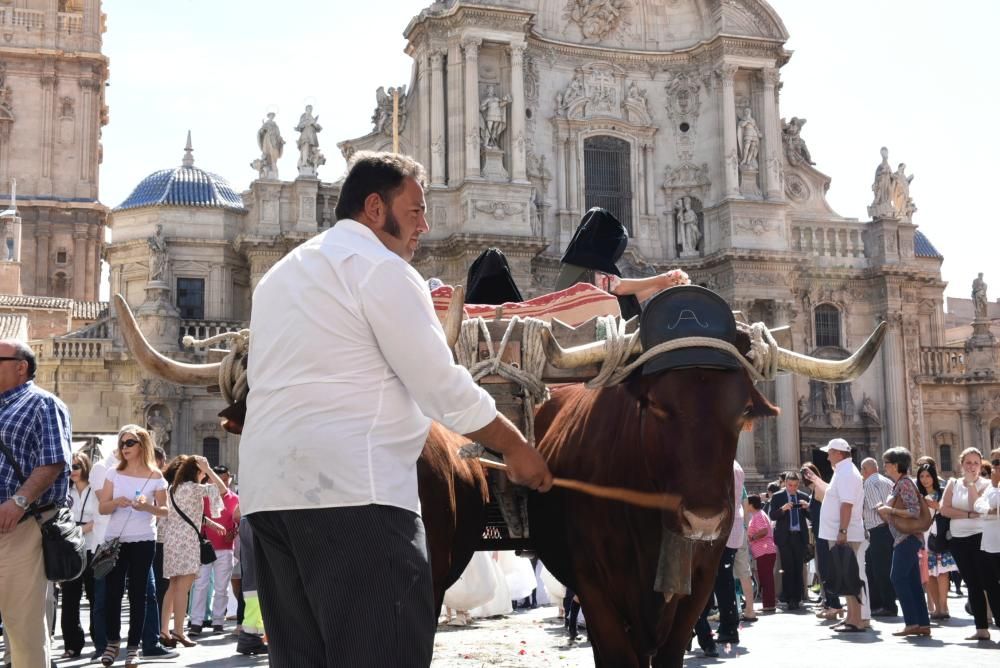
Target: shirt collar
351 226
13 393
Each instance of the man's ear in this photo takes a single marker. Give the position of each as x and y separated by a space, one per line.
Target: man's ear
374 207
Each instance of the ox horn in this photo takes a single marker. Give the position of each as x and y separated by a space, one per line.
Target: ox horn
834 371
155 363
587 354
456 313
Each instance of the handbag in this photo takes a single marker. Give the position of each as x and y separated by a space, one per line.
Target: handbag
64 551
106 556
940 540
206 551
912 525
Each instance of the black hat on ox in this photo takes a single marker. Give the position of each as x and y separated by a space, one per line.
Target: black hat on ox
686 311
490 281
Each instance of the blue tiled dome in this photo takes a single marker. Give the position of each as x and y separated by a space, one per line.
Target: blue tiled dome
183 186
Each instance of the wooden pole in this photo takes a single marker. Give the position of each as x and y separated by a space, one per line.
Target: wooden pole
395 120
633 497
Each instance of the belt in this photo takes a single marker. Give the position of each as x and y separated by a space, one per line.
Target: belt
33 510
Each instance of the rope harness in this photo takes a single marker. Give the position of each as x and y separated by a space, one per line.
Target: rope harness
233 369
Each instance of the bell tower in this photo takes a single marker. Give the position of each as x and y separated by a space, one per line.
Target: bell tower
52 108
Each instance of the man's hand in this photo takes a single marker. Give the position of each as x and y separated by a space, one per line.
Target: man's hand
884 512
10 515
841 538
525 466
787 506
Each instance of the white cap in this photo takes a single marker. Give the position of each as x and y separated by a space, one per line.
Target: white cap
836 444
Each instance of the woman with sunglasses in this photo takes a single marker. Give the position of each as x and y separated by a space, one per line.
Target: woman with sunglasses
84 509
134 494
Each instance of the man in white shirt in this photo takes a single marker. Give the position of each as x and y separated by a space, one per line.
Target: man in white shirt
840 521
348 367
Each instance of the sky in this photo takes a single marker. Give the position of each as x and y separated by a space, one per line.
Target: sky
912 75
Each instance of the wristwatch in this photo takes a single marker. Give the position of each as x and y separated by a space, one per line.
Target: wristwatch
843 531
20 501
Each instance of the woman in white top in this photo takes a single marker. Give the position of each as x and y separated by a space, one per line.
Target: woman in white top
134 494
84 509
988 506
959 503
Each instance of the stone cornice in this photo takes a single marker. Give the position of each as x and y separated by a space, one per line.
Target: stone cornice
460 18
455 245
712 50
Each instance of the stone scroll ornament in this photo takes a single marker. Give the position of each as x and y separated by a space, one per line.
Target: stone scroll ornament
597 18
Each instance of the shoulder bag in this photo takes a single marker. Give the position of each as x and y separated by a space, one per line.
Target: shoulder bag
106 555
64 550
206 551
912 525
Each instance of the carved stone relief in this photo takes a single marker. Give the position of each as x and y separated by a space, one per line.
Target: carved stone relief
597 19
684 105
598 90
499 210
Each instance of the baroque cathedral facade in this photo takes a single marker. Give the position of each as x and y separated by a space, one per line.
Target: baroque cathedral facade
526 113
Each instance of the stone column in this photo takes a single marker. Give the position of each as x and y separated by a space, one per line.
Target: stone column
650 186
454 118
772 136
746 454
471 46
48 82
79 264
895 389
43 232
784 391
92 25
560 174
424 104
730 158
572 197
93 266
437 114
518 140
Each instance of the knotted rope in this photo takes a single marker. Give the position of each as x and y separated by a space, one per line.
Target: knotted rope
528 377
232 370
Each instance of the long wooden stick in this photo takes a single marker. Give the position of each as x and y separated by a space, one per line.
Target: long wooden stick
630 496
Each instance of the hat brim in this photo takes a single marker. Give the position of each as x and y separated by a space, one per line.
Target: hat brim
683 358
827 449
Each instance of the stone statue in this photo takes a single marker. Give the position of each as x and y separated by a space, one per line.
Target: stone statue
690 234
494 111
309 155
748 139
157 255
160 425
795 146
979 300
901 201
803 409
868 410
382 117
271 147
882 187
829 397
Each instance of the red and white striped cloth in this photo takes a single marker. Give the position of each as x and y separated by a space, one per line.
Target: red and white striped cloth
573 306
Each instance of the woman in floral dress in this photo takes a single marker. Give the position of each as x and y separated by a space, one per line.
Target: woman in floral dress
181 545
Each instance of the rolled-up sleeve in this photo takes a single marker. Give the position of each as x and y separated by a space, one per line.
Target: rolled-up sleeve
399 310
55 433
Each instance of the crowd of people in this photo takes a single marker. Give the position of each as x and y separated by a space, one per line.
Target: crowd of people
908 533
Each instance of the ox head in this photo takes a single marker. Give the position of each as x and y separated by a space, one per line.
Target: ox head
690 405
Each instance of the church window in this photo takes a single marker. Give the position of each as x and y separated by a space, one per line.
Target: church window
191 298
61 256
607 177
945 459
827 325
210 450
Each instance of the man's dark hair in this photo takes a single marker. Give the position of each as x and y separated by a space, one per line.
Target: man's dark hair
900 458
773 488
371 172
23 351
790 476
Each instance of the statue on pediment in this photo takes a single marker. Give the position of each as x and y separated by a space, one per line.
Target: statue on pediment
310 157
157 255
795 147
494 111
882 188
271 147
979 300
901 201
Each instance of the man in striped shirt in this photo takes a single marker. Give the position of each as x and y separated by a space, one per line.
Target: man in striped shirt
878 558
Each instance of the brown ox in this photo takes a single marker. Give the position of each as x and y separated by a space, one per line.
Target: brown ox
675 432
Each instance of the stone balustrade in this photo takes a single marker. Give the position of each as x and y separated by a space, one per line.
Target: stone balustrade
844 240
70 22
206 329
942 361
25 18
72 349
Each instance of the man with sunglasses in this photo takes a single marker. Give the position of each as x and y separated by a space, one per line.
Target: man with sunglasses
37 444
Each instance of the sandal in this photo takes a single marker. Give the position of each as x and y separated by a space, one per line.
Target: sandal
850 628
182 639
132 657
110 653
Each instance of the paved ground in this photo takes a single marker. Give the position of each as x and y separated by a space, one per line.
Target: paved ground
535 638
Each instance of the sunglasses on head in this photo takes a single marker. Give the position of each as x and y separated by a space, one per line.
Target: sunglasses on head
128 443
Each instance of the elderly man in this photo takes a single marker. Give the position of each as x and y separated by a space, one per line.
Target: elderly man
34 476
878 557
841 522
348 366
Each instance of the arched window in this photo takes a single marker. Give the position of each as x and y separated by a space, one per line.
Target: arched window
945 459
210 450
827 325
607 177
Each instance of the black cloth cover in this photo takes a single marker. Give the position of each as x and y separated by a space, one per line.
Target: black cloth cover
489 280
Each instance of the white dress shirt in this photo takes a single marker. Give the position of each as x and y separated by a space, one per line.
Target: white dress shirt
846 486
988 505
348 366
84 511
